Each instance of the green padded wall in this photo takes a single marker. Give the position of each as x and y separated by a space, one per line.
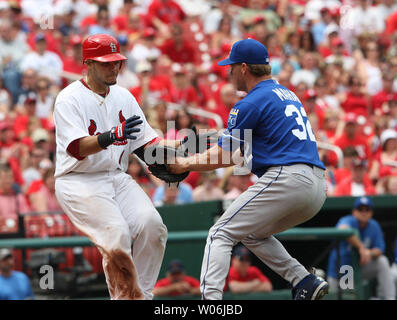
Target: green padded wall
188 217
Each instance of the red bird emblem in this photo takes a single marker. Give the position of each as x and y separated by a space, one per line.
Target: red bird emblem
92 128
121 117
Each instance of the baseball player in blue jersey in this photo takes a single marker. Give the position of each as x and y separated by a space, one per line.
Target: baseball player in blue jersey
370 245
271 128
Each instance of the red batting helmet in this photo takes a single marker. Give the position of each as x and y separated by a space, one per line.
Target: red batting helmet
103 48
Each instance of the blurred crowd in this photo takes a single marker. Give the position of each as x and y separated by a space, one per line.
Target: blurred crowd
338 56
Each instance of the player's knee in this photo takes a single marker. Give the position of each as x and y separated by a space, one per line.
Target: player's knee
117 238
383 263
154 228
162 234
217 233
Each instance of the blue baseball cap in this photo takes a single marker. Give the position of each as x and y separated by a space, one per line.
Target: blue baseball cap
363 201
40 37
242 253
122 39
175 266
249 51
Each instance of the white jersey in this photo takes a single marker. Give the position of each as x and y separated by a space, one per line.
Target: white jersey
80 112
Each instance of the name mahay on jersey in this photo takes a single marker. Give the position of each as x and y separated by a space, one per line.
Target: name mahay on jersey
285 94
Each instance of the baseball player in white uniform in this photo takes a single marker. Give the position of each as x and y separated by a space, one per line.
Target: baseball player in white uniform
98 125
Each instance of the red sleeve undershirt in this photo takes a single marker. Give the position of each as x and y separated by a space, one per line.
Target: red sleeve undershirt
74 148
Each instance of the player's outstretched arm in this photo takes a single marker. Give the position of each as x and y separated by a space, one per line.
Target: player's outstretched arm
194 142
212 159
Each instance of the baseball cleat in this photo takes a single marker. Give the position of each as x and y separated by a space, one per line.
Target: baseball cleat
310 288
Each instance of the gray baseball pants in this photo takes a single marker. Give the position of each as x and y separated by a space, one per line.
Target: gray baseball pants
284 197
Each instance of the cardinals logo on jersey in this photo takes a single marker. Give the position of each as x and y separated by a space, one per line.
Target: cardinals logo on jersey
121 117
92 128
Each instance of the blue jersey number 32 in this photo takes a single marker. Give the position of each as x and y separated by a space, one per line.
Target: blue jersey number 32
306 129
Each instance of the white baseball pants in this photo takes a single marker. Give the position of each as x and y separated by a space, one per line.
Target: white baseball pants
112 210
282 198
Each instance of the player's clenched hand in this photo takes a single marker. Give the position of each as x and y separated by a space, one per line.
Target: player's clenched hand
182 287
125 129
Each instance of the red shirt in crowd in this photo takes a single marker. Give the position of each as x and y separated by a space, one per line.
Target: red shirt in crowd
240 3
252 274
357 104
359 142
220 71
193 179
344 188
223 111
53 43
203 94
39 186
384 168
321 109
341 173
88 21
121 22
325 51
380 98
183 54
184 96
167 11
158 86
391 23
21 124
16 170
164 80
71 65
166 282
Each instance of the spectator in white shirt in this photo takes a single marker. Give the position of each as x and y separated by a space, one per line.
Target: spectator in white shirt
338 55
45 101
147 47
12 49
212 18
365 18
46 63
386 8
309 71
313 8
